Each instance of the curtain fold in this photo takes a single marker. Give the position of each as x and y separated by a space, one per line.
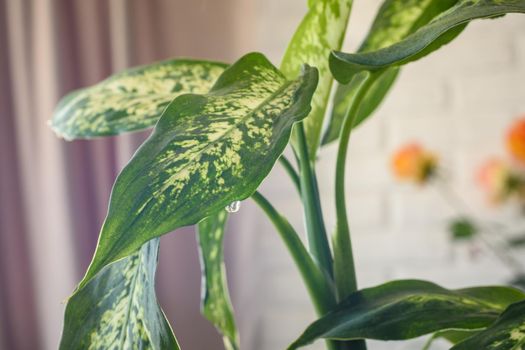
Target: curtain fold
54 194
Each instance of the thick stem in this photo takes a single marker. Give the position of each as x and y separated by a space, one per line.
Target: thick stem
344 266
344 269
315 228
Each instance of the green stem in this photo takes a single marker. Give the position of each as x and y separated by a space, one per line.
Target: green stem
291 172
319 288
315 228
344 267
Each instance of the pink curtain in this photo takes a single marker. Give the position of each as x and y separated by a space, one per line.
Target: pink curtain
54 193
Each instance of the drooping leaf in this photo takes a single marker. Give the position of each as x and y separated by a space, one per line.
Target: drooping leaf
395 20
507 333
322 30
133 99
206 151
409 308
118 308
427 39
215 299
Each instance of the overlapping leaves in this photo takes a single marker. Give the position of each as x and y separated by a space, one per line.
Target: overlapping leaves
215 300
407 309
118 308
395 20
322 30
206 151
427 39
507 333
133 99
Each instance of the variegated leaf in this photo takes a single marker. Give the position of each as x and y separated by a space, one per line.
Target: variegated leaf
395 20
215 299
118 309
507 333
322 30
407 309
427 39
206 151
131 100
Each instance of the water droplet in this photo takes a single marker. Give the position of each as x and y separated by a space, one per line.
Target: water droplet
233 207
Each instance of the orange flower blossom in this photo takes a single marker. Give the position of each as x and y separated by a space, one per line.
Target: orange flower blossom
413 163
499 180
516 140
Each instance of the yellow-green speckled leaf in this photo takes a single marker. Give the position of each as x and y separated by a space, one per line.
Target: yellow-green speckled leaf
206 151
507 333
118 309
215 299
395 20
131 100
427 39
322 30
406 309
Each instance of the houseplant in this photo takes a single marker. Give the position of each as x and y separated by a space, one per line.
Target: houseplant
218 131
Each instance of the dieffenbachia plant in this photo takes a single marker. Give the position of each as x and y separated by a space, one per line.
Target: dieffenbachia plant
218 130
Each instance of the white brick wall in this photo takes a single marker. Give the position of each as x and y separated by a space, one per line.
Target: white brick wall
457 101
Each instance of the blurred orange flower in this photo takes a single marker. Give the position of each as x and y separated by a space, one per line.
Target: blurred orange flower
516 140
499 180
413 163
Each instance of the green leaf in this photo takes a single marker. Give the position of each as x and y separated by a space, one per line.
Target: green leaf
206 151
453 336
407 309
322 30
462 228
507 333
215 300
118 309
428 38
395 20
131 100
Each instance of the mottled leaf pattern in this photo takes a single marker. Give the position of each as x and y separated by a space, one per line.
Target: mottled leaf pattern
428 38
507 333
215 300
118 309
131 100
407 309
395 20
206 151
322 30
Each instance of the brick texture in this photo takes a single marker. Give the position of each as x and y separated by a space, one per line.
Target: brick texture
457 102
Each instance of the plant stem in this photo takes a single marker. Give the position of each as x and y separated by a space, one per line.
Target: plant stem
344 266
344 269
315 228
291 172
318 286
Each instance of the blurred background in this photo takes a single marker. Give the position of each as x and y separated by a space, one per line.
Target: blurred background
459 103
